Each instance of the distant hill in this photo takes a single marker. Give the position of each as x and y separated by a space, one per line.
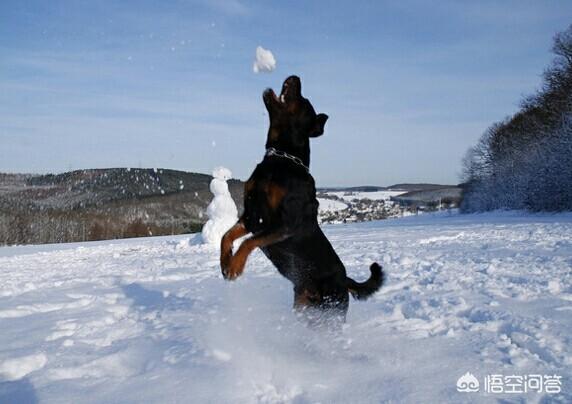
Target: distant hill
113 203
417 187
396 187
104 203
361 188
431 196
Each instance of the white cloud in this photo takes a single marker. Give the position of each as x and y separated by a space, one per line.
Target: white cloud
264 61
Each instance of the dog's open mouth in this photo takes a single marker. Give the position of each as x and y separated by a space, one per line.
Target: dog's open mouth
270 96
291 91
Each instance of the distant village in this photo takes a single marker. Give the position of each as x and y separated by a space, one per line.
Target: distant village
348 206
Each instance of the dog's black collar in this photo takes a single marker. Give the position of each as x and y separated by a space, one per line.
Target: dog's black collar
271 151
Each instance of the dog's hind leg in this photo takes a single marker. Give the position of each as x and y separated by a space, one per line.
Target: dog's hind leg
320 311
236 262
304 298
306 306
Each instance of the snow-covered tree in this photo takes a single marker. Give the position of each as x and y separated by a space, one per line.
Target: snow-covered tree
525 161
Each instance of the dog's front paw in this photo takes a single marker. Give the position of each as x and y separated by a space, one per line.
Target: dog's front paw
226 259
224 264
224 271
233 269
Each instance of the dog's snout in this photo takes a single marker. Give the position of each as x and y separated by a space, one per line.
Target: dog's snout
268 93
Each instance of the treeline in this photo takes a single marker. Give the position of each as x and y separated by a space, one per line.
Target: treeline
100 204
61 227
525 161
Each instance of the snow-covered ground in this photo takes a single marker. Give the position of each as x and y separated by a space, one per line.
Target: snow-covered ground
151 320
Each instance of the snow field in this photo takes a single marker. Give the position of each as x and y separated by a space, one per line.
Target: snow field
151 320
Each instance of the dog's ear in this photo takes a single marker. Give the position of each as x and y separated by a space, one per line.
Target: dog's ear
318 128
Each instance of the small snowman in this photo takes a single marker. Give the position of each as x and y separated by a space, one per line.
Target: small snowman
221 211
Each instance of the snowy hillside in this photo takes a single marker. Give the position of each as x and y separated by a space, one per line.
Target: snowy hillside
151 320
330 205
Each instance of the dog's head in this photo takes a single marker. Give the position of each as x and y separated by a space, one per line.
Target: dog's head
293 120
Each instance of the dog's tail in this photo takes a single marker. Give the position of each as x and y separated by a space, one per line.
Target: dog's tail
363 290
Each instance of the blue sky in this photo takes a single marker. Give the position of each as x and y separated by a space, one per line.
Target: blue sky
408 85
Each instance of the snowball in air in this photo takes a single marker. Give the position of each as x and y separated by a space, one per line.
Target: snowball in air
264 61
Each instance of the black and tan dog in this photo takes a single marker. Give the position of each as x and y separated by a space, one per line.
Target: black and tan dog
280 210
